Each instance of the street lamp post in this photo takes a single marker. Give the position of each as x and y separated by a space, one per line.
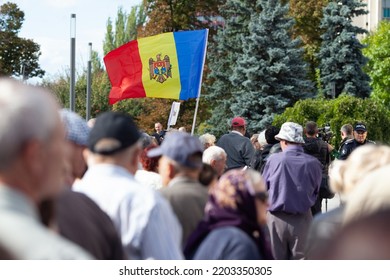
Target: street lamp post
72 62
89 84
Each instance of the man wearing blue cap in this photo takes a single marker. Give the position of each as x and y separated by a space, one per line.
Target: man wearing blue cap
359 139
179 167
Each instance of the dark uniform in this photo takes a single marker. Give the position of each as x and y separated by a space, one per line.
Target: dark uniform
350 145
159 136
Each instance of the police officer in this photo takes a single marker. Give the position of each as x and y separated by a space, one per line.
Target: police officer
359 138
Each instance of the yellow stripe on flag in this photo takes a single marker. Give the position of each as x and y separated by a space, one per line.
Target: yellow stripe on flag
160 66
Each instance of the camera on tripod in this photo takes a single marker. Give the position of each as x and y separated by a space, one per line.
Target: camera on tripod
325 133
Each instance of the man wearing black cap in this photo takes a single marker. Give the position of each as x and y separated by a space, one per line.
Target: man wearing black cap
179 166
77 217
144 219
359 139
238 148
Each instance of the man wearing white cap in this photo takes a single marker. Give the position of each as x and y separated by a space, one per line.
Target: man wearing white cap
293 180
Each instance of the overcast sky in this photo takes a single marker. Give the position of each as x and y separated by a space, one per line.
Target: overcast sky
47 22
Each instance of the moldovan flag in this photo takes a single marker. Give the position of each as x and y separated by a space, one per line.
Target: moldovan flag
168 65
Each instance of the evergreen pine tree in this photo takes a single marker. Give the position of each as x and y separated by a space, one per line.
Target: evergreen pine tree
341 58
271 69
224 53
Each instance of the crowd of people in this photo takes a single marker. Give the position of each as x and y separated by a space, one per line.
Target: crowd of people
105 190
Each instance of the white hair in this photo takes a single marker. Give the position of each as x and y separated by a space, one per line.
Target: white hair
345 175
213 153
27 112
207 138
261 139
371 195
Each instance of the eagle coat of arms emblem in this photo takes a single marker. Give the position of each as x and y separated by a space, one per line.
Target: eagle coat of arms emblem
161 69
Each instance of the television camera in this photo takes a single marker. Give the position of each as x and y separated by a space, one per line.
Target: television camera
325 133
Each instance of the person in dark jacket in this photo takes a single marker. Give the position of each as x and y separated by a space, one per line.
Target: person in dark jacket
159 135
346 133
360 138
237 146
319 149
271 147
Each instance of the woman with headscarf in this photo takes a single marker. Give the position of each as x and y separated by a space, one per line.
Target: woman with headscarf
234 219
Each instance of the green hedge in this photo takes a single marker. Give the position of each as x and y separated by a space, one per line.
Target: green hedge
339 111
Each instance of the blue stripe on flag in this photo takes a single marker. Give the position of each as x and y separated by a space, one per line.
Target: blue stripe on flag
190 48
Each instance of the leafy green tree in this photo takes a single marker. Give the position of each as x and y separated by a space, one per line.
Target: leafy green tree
135 21
223 55
18 56
100 87
126 28
307 15
175 15
378 67
341 52
339 111
271 69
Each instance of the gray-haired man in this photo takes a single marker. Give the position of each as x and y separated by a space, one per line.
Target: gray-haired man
216 157
32 159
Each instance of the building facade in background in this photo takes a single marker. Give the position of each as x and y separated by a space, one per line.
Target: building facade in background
378 10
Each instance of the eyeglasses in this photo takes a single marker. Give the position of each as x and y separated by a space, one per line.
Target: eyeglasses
262 196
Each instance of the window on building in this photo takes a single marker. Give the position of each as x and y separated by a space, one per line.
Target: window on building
386 9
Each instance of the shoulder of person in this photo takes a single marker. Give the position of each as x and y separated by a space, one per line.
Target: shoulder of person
226 135
349 142
274 156
233 237
371 142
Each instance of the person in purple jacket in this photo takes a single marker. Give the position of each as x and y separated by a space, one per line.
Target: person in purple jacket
293 180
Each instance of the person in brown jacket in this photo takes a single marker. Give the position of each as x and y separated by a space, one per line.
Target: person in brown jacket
179 166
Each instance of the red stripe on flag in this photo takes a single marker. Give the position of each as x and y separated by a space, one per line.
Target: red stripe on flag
124 69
